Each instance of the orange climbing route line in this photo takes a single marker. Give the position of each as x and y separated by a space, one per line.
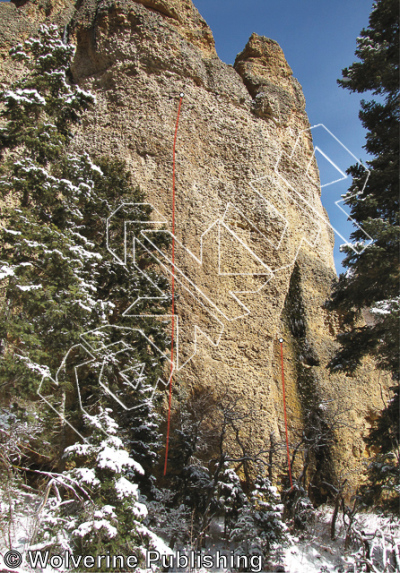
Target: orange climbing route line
285 415
172 284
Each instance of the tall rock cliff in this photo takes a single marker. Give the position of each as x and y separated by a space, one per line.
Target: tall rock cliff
253 249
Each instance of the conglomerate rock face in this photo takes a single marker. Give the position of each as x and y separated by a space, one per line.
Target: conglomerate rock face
254 250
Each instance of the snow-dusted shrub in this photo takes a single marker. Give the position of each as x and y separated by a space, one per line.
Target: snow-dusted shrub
299 510
109 516
172 523
231 497
260 526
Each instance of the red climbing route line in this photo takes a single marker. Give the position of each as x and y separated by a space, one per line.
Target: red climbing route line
284 412
173 283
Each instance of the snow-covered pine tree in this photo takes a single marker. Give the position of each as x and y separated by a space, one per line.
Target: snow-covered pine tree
245 534
60 281
111 518
268 512
260 526
173 522
142 432
41 107
101 513
231 497
43 255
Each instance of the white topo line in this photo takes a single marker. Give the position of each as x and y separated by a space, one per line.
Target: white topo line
219 316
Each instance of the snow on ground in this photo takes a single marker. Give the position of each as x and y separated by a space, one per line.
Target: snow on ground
315 552
15 532
307 552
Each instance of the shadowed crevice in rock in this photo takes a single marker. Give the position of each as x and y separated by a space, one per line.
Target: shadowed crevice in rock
136 57
318 437
19 3
160 6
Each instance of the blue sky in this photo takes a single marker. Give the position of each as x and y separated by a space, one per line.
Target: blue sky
318 38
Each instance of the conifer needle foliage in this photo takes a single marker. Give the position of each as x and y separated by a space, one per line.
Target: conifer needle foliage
372 279
60 284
